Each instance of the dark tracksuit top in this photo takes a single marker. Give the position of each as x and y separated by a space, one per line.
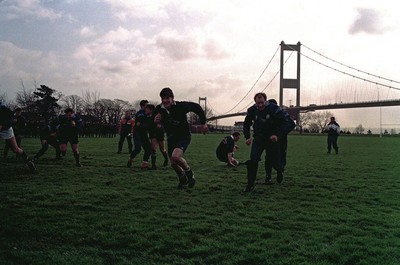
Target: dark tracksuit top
140 123
65 123
175 121
141 138
267 122
47 130
66 132
225 147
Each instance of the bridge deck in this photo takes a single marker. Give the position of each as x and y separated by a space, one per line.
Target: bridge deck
383 103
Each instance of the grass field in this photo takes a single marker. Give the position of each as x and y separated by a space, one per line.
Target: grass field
330 209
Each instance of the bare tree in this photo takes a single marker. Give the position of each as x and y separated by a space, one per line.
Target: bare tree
359 129
101 109
74 102
314 127
322 119
90 98
305 119
3 98
195 120
119 107
25 98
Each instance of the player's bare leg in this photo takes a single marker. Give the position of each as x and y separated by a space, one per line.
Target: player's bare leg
182 168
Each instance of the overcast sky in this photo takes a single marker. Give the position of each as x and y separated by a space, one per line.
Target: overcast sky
216 49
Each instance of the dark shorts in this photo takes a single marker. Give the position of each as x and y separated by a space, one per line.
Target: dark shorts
223 157
157 134
71 137
181 143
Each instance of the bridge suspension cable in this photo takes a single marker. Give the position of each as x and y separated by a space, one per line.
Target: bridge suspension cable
213 109
269 83
258 79
352 68
345 73
351 75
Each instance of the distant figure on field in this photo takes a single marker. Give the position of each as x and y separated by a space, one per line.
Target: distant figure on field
125 130
333 133
227 148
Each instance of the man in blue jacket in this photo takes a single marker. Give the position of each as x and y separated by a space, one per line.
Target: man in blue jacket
267 121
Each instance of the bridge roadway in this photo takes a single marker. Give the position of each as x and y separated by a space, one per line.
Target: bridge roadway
294 111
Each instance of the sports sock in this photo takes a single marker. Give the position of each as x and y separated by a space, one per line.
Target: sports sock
165 157
189 173
76 155
24 156
153 160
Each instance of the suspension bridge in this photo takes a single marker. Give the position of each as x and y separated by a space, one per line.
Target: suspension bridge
294 84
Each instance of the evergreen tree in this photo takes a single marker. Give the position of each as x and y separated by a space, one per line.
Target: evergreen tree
46 102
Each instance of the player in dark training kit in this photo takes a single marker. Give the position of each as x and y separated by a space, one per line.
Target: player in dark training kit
141 137
70 124
226 149
125 130
171 115
156 135
48 136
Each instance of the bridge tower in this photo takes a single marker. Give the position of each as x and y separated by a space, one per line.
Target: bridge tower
205 103
290 83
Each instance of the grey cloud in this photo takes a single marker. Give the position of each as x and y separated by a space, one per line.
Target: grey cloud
214 86
368 21
29 9
115 68
177 48
214 51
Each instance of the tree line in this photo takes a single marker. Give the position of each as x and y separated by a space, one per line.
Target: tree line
43 103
